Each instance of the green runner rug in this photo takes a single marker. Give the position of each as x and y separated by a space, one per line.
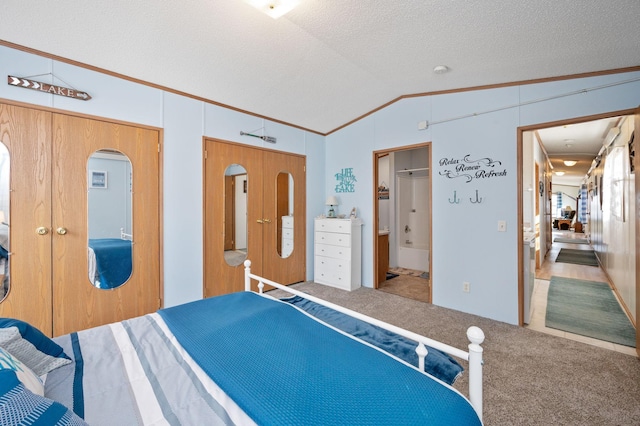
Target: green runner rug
580 257
588 308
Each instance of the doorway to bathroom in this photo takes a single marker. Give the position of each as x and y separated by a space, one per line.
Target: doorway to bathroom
402 212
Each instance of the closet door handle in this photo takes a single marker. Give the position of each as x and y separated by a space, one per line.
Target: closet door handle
61 231
41 230
259 221
267 220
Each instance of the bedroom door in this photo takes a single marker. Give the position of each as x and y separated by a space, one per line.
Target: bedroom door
27 208
268 206
223 269
76 139
284 187
47 214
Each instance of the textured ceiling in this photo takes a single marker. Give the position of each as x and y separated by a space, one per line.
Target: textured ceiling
579 142
329 62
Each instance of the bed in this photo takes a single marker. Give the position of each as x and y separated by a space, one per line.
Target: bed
110 260
250 358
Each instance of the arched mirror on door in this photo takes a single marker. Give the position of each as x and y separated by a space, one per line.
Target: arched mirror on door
235 214
284 213
109 219
5 280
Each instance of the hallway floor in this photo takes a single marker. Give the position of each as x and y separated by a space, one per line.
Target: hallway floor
550 268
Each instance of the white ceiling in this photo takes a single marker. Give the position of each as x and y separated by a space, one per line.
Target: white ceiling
328 62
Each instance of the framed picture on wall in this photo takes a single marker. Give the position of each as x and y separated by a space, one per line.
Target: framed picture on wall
97 179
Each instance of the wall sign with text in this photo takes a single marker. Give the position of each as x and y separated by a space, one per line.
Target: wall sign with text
346 181
469 168
52 89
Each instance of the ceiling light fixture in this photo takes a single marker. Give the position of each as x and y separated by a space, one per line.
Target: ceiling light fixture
559 173
273 8
570 163
441 69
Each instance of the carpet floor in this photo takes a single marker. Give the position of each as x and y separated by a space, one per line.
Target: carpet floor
579 257
588 308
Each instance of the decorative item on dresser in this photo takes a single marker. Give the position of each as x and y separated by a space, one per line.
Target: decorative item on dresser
331 202
338 252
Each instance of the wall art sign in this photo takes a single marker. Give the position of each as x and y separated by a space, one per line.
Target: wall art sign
470 169
346 181
47 88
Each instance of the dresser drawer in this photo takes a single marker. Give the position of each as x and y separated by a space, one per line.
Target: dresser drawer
287 233
333 225
335 272
287 221
337 252
343 240
287 247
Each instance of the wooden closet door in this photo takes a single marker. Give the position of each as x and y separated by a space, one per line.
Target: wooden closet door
219 276
27 134
291 269
77 303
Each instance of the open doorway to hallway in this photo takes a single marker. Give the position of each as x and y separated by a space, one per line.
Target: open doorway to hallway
402 211
576 225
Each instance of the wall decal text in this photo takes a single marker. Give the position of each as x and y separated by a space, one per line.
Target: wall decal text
470 169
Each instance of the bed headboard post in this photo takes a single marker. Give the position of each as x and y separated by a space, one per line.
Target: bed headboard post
247 278
476 337
422 352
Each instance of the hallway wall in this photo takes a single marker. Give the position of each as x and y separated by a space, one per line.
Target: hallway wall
612 217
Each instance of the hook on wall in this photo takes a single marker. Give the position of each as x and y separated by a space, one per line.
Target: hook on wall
477 200
455 200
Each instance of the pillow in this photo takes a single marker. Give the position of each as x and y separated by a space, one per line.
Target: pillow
9 363
18 405
31 346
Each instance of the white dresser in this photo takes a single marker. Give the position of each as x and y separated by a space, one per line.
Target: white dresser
287 235
338 253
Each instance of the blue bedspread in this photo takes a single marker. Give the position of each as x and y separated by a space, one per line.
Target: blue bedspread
113 259
283 367
437 363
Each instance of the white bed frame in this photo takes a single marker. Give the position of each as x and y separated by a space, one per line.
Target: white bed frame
474 334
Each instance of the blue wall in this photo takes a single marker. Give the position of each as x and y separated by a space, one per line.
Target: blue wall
466 245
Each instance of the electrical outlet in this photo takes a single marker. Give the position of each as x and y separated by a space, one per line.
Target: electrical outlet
466 287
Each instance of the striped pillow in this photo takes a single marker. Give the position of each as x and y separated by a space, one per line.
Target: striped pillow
20 406
31 346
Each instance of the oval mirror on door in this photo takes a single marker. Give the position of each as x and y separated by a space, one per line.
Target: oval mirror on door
5 281
235 214
284 207
109 219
